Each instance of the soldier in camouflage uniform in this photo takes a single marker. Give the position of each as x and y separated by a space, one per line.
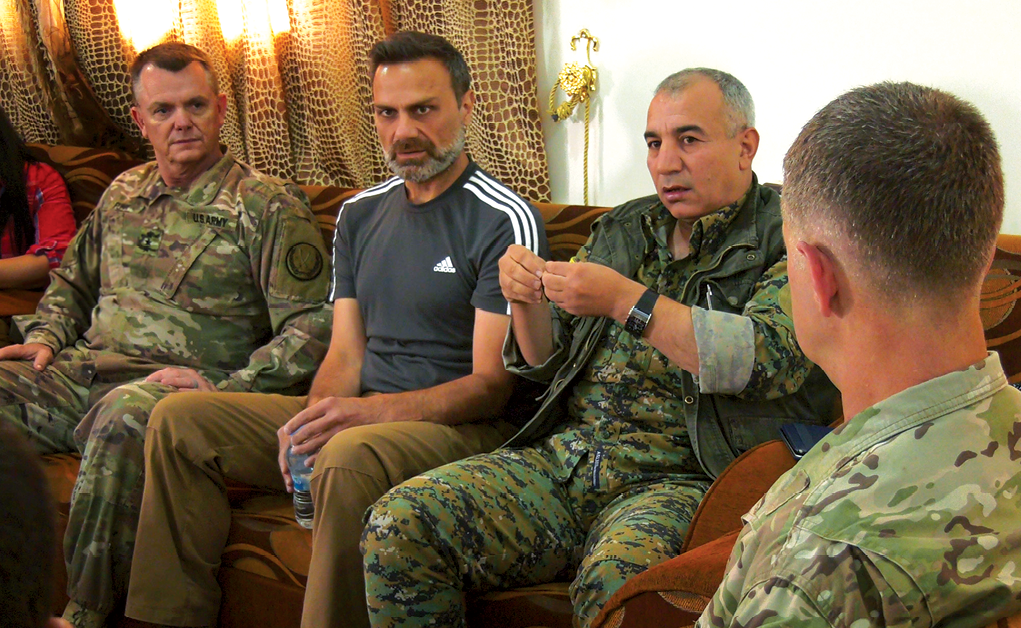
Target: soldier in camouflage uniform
638 420
908 513
193 273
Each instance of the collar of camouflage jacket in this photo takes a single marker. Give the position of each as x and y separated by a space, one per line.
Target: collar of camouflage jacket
202 190
909 409
709 231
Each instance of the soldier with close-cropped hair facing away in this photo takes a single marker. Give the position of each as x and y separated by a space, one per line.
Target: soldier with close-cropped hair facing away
907 514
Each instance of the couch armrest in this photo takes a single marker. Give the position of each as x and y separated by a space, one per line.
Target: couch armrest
673 593
737 489
676 592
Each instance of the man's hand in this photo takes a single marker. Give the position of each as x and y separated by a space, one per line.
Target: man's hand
521 275
285 441
182 379
40 354
587 289
319 422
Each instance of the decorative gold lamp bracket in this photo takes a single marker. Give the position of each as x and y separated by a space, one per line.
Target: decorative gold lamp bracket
576 81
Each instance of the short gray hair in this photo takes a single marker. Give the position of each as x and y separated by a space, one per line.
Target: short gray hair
172 56
735 94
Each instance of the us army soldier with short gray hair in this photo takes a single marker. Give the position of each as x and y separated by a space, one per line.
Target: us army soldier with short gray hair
907 514
195 272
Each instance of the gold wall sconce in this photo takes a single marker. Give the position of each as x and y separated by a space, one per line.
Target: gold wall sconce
577 81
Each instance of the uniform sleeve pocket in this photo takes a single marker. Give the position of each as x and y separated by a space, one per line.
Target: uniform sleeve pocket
301 270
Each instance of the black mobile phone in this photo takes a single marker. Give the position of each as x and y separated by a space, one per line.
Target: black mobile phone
800 437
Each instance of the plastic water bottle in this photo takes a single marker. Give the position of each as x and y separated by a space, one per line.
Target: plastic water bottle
301 474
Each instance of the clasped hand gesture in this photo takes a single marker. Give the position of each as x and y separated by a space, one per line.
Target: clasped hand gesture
580 288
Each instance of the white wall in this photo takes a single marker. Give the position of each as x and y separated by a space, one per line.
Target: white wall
794 56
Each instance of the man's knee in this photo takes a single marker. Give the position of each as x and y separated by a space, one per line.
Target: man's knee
401 515
179 426
122 412
433 509
175 414
377 451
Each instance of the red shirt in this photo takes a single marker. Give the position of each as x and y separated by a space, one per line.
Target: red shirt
51 212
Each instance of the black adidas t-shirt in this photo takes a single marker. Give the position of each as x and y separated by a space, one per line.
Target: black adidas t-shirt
419 272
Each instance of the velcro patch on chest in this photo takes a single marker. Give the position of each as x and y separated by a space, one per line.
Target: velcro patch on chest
149 240
213 220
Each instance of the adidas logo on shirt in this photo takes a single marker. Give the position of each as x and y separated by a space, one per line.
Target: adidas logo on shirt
446 266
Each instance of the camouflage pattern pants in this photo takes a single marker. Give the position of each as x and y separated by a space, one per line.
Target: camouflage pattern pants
59 415
503 520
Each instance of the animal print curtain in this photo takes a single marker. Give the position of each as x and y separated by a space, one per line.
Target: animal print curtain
294 72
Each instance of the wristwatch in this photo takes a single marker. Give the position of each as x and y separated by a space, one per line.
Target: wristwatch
640 314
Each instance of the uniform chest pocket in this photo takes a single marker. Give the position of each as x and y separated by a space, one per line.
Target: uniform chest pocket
182 258
731 284
728 296
620 358
207 274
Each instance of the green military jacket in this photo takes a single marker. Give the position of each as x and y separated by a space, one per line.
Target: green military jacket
907 515
228 276
720 426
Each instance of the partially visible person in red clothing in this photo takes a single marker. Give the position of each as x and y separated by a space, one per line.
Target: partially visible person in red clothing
36 219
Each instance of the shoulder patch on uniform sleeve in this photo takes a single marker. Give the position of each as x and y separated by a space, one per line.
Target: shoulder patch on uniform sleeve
304 261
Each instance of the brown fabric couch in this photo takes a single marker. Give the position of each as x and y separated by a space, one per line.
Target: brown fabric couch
265 563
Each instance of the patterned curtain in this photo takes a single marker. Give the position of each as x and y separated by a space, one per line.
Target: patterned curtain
294 72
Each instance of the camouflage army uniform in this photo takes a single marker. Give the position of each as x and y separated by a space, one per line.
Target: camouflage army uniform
612 490
226 277
907 515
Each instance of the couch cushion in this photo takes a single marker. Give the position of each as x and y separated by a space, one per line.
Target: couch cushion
264 537
568 227
544 605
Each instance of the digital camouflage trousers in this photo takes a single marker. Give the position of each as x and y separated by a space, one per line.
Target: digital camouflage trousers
506 519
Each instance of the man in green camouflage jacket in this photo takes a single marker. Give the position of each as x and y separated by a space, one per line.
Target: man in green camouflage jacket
908 513
194 272
638 418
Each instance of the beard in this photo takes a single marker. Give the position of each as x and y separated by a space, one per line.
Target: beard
435 161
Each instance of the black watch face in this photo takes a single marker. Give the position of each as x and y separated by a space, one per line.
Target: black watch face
636 322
